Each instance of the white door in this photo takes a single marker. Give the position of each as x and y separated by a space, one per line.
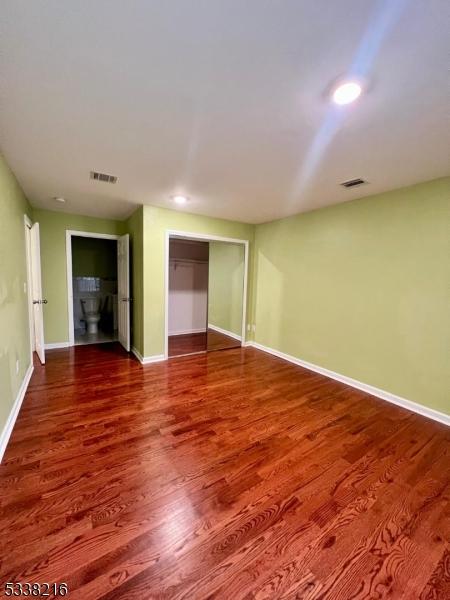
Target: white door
123 285
36 293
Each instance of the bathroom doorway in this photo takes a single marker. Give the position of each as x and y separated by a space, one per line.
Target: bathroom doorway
98 281
94 287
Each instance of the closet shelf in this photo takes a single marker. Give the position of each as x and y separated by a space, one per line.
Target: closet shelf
188 261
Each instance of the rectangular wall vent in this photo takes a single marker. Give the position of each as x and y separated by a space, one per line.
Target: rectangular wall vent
353 182
103 177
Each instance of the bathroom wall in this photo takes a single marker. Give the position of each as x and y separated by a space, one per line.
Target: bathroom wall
14 329
94 258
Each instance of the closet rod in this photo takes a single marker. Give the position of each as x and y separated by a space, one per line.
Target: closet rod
188 260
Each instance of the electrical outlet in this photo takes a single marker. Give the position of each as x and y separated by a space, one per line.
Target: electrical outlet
24 287
17 366
248 326
253 328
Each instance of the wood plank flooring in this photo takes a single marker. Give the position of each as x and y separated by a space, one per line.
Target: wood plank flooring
190 343
186 343
230 475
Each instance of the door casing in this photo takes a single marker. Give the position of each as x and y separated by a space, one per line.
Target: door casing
74 233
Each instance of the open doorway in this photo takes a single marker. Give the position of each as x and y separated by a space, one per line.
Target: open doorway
94 285
206 284
98 282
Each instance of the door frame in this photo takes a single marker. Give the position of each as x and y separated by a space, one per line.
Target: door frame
69 234
28 223
200 237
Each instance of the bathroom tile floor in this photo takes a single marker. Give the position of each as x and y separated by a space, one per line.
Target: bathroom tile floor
81 337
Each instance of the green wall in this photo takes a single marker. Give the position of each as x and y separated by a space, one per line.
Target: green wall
14 329
156 222
53 226
226 286
93 257
363 289
134 226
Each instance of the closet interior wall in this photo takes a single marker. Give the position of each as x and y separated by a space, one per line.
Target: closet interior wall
188 296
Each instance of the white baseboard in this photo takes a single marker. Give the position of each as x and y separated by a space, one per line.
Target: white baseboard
9 425
369 389
146 360
55 345
187 331
225 332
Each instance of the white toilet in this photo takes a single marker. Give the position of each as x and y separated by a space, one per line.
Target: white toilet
90 307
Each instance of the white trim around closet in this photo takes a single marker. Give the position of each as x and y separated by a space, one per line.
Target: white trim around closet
200 237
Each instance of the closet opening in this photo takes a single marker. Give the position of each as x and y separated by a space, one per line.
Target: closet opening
188 296
206 280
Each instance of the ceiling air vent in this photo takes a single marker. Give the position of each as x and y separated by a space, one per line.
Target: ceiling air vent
103 177
353 182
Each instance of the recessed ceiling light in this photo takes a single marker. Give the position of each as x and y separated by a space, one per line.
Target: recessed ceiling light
347 92
59 199
180 199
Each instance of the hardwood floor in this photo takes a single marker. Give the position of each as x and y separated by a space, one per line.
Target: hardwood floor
187 343
230 475
190 343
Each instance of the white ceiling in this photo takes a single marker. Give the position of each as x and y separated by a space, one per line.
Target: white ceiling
223 100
